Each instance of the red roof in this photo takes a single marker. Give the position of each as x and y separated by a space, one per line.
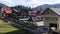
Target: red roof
7 10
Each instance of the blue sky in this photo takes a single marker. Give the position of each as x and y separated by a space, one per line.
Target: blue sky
31 3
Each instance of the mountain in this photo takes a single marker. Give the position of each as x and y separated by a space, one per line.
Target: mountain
42 7
2 5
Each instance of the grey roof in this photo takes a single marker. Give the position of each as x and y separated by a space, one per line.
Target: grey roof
56 10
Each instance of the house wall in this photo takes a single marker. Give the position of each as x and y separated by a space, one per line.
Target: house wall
59 24
50 16
48 20
24 14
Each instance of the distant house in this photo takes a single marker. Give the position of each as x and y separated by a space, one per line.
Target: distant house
35 14
6 10
24 14
51 17
36 17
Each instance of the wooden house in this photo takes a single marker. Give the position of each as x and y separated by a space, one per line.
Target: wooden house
51 17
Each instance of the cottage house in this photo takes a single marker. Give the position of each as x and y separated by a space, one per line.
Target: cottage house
36 17
35 14
51 17
6 11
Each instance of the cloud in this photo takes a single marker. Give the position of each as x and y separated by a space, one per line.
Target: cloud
34 3
40 2
31 3
9 1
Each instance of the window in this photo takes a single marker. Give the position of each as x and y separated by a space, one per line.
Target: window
47 18
56 19
46 12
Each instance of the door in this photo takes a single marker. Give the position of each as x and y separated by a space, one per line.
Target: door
53 25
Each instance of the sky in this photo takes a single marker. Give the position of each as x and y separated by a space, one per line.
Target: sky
29 3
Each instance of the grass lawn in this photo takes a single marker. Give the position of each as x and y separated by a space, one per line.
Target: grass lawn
6 28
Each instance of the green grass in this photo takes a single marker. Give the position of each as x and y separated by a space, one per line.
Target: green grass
6 28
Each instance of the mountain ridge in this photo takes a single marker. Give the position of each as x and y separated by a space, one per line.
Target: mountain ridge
3 5
42 7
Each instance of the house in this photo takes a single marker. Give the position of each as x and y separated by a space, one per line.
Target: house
36 17
35 14
51 17
6 11
24 15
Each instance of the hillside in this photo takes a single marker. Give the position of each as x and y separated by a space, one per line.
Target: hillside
7 28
